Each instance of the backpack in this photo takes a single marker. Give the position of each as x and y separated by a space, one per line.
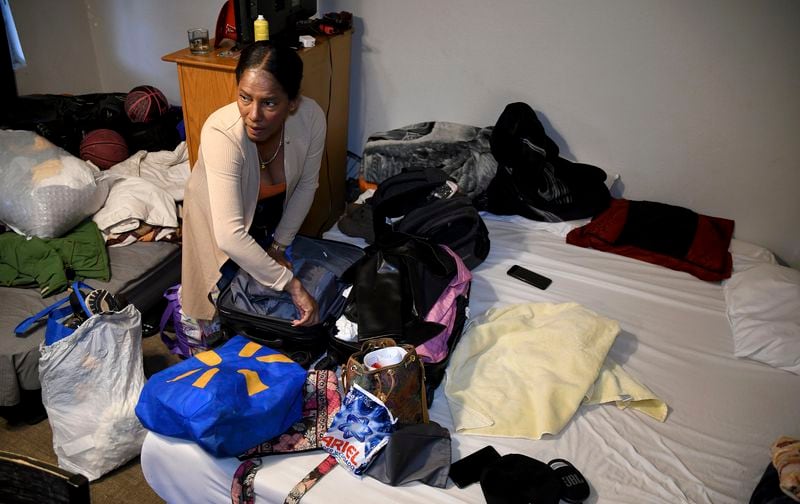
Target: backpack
532 180
425 203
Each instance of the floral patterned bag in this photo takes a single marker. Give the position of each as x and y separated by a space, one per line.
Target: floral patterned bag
321 402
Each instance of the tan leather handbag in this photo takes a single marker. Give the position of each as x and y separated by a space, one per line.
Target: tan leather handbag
400 386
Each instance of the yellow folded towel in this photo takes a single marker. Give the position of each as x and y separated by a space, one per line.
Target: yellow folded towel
523 370
615 385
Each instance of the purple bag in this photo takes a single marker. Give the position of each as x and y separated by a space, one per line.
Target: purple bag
188 340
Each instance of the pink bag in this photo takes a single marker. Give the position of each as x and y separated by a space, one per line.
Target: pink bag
444 312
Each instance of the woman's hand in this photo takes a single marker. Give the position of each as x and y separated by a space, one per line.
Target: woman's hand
280 257
305 303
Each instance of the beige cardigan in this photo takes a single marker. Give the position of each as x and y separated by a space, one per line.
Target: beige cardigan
228 163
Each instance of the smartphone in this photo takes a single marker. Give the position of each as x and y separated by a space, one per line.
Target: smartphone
529 277
468 470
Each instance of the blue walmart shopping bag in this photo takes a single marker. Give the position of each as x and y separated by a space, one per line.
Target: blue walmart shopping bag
226 400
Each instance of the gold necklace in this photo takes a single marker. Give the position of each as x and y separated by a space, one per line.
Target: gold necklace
264 164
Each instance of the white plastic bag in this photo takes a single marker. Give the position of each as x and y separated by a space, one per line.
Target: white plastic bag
45 190
91 381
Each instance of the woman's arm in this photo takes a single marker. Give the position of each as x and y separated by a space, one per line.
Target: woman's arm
303 196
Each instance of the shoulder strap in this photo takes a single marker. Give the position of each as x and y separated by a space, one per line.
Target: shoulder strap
26 324
242 488
243 491
316 474
173 301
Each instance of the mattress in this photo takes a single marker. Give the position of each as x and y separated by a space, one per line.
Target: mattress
140 273
724 412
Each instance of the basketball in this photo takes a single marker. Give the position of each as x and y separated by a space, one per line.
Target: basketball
145 104
104 148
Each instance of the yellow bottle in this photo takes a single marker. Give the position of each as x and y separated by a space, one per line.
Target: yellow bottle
261 28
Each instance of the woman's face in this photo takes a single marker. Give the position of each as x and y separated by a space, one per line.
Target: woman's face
263 104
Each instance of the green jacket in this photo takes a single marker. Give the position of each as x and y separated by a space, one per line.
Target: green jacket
45 262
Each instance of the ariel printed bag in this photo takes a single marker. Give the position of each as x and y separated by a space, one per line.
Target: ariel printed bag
401 386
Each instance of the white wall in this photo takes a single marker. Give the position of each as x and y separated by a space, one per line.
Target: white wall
693 102
58 47
88 46
130 38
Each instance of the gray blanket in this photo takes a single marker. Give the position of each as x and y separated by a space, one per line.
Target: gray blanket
461 151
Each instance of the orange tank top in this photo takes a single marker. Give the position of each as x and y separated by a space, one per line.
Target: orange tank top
267 191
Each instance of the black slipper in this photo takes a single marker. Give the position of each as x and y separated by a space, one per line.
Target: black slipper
574 488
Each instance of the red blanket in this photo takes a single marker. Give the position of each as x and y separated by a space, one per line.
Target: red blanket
661 234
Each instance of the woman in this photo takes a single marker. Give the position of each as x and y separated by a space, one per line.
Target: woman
253 184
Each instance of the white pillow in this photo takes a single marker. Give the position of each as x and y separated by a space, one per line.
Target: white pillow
746 255
763 305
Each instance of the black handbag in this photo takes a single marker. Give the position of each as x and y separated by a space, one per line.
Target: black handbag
395 285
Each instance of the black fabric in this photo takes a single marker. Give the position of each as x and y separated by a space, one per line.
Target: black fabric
267 217
662 228
357 221
532 180
64 120
519 139
519 479
157 135
398 195
468 470
768 490
419 452
394 287
338 351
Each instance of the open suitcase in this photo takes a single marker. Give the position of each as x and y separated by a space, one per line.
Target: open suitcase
245 307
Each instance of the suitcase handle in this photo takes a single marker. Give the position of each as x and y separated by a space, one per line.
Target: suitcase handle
276 343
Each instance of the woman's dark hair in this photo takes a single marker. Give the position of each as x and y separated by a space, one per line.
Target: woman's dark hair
281 61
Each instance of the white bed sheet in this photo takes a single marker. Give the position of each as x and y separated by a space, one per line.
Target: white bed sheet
724 412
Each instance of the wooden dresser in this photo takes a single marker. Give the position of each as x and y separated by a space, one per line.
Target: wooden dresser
208 82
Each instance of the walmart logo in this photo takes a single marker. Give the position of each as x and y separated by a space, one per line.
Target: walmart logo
212 359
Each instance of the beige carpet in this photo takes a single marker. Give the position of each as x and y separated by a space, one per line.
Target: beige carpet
123 485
